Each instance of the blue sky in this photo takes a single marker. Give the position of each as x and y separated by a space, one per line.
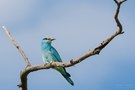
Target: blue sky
77 25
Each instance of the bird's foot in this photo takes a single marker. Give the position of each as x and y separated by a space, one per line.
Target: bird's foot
45 64
53 64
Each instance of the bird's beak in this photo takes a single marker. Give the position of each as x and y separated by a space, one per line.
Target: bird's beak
52 39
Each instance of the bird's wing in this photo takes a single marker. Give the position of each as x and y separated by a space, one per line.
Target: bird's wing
56 57
55 54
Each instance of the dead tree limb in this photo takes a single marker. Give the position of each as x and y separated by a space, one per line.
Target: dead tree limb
95 51
17 46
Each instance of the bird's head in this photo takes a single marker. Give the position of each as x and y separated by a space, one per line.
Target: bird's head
48 40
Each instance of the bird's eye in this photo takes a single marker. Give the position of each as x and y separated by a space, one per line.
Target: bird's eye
45 38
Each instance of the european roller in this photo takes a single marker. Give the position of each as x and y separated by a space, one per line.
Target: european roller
50 54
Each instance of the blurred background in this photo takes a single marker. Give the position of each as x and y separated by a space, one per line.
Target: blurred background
78 26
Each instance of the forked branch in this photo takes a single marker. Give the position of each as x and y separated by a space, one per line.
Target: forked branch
95 51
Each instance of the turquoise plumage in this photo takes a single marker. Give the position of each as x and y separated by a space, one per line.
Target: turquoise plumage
50 54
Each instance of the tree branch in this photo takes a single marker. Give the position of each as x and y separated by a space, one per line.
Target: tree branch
95 51
17 46
117 13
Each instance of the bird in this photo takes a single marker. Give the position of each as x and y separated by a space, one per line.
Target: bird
50 54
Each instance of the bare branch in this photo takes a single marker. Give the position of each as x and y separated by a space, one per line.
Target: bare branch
17 46
95 51
116 15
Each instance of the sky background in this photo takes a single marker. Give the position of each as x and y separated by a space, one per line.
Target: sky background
78 26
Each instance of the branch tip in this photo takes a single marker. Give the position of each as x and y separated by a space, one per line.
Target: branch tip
116 2
3 27
119 2
123 1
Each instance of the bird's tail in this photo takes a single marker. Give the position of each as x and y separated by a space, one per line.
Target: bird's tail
67 77
65 74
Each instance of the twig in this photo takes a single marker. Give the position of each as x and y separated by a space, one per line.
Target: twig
17 46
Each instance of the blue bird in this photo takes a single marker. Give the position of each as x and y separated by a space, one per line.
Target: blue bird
49 54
